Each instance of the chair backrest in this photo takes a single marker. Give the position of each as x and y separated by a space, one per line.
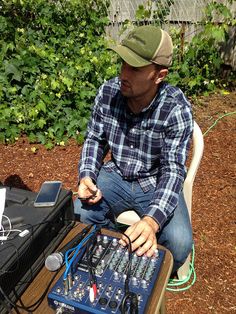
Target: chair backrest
198 147
130 217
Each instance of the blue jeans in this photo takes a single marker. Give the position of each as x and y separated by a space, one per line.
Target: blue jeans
120 195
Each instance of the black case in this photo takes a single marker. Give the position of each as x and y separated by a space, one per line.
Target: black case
22 258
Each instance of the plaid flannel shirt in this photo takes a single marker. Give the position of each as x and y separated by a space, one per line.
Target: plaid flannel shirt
150 147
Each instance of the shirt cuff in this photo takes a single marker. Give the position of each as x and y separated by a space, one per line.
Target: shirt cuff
87 173
159 217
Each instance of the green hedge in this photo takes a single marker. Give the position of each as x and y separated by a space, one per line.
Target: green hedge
53 57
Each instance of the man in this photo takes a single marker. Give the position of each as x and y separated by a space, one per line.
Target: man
148 125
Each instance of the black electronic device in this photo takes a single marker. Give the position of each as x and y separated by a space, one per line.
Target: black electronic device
22 255
110 261
48 194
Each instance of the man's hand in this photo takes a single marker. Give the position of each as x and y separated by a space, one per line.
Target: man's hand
142 235
88 191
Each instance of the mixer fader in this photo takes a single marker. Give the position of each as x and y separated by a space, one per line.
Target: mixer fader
110 263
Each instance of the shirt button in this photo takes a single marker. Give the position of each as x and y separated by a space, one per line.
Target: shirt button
131 146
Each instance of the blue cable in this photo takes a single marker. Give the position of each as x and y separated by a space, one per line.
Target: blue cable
76 249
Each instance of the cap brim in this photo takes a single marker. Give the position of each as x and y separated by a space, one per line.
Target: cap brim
130 57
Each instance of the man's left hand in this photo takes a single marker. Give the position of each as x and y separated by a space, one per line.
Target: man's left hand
142 235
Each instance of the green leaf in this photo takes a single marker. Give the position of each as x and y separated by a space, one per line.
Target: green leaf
41 106
41 123
12 69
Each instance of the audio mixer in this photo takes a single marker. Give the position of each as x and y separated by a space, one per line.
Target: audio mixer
110 263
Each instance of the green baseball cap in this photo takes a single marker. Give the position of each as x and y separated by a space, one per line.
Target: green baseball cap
145 45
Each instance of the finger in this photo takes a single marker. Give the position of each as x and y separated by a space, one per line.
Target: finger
141 240
145 234
124 240
85 192
148 247
134 231
151 251
90 185
95 198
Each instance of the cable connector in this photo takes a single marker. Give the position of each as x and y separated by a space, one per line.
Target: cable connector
92 292
91 295
95 290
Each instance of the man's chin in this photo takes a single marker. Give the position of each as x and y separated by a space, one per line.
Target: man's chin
126 92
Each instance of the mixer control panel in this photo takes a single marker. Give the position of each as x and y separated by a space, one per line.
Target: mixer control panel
110 263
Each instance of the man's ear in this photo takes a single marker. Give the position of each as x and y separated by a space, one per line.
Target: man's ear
161 75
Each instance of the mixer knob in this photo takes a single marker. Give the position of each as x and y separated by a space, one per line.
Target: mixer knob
144 258
98 238
111 266
99 270
120 268
124 277
97 252
134 259
140 268
138 273
156 253
134 281
114 242
148 276
119 290
105 239
144 283
116 275
126 255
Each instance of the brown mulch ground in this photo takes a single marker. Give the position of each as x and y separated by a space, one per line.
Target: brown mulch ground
213 215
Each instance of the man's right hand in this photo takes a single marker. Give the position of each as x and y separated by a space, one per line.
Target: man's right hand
88 191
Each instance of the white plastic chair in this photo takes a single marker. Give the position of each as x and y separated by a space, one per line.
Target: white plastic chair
130 217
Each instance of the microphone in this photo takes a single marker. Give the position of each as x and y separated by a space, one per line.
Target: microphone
54 261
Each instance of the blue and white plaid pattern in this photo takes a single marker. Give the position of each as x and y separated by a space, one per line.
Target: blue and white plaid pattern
150 147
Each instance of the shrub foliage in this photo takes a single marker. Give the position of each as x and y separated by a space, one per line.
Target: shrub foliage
53 57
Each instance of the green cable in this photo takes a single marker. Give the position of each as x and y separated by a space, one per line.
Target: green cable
214 124
176 282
